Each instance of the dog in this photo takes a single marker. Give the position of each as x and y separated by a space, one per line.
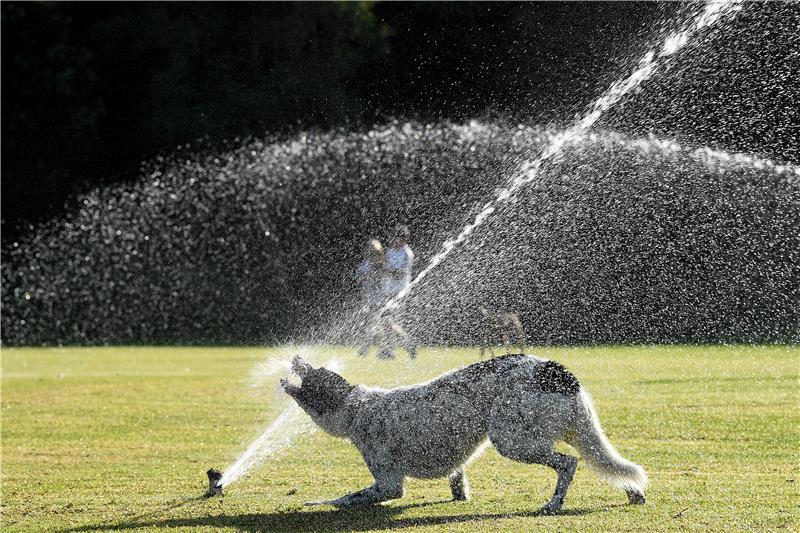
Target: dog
520 403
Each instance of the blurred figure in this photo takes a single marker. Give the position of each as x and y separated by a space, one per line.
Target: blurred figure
369 273
396 277
505 327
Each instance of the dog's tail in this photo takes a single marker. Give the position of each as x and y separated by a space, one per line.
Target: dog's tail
590 440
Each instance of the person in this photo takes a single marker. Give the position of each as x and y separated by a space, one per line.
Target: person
369 273
396 277
505 326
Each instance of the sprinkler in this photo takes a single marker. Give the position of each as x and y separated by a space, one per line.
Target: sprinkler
214 487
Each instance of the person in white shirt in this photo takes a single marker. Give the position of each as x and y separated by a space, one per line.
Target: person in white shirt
369 275
396 277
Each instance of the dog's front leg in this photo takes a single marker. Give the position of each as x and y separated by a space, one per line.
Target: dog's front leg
459 485
384 489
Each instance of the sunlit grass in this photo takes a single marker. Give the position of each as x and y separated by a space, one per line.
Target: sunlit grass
120 438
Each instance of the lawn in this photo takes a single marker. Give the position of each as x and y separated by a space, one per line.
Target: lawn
120 438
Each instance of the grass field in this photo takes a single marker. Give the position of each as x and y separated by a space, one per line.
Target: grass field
120 438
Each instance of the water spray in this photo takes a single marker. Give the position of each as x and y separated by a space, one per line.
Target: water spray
648 64
275 437
704 154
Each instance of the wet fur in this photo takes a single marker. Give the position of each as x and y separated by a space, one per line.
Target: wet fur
521 404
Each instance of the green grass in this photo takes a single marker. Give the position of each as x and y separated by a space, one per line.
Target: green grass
120 438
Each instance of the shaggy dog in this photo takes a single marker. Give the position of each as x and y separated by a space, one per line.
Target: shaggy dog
522 404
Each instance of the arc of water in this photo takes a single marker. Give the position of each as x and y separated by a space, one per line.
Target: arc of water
712 12
703 154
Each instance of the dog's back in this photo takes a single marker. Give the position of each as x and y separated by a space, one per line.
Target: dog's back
483 382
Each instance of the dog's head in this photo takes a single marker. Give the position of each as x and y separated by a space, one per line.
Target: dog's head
321 391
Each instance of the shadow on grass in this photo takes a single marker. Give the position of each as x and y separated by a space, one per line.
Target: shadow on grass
361 519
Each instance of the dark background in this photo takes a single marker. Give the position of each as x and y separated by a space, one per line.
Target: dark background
208 173
89 90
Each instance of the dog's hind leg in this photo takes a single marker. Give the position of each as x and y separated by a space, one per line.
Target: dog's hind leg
459 485
565 466
524 426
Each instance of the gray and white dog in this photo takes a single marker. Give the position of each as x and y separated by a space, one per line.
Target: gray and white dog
522 404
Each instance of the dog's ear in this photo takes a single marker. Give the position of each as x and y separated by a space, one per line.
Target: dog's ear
300 367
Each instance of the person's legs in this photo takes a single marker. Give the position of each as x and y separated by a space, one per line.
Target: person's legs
367 328
407 340
385 334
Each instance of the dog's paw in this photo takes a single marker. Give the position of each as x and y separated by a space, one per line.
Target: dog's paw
636 498
549 508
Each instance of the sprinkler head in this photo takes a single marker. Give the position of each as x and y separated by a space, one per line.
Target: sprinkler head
214 486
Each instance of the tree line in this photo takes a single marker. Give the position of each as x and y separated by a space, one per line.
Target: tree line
92 89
